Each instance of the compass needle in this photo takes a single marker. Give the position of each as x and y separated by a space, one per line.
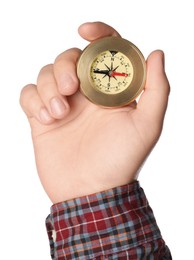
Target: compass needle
114 73
106 72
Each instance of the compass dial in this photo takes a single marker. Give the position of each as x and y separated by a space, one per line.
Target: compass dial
111 72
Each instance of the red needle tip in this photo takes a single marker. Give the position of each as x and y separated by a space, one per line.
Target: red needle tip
114 73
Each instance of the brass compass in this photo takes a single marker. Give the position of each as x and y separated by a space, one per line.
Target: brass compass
112 72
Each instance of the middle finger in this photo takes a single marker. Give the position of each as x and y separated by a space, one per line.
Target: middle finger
65 71
56 104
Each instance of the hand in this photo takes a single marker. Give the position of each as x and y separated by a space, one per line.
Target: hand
81 148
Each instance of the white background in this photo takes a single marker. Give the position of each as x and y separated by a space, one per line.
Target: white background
32 34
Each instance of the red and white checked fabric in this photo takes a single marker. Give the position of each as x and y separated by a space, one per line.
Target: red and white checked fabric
113 224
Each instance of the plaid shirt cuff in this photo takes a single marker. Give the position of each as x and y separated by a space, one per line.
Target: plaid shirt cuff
113 224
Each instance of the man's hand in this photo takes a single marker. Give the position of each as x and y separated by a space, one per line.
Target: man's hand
81 148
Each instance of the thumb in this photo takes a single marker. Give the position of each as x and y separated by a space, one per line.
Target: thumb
96 30
153 102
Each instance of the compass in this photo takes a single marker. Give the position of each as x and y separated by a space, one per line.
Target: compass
112 72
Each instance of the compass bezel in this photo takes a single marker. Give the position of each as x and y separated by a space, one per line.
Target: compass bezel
86 60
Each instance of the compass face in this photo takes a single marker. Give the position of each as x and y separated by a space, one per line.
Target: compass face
111 72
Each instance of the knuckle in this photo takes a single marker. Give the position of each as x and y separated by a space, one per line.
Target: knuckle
44 72
71 54
26 95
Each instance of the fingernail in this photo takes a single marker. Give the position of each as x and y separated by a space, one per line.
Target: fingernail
44 115
57 107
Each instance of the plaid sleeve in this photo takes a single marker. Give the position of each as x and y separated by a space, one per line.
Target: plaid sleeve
113 224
